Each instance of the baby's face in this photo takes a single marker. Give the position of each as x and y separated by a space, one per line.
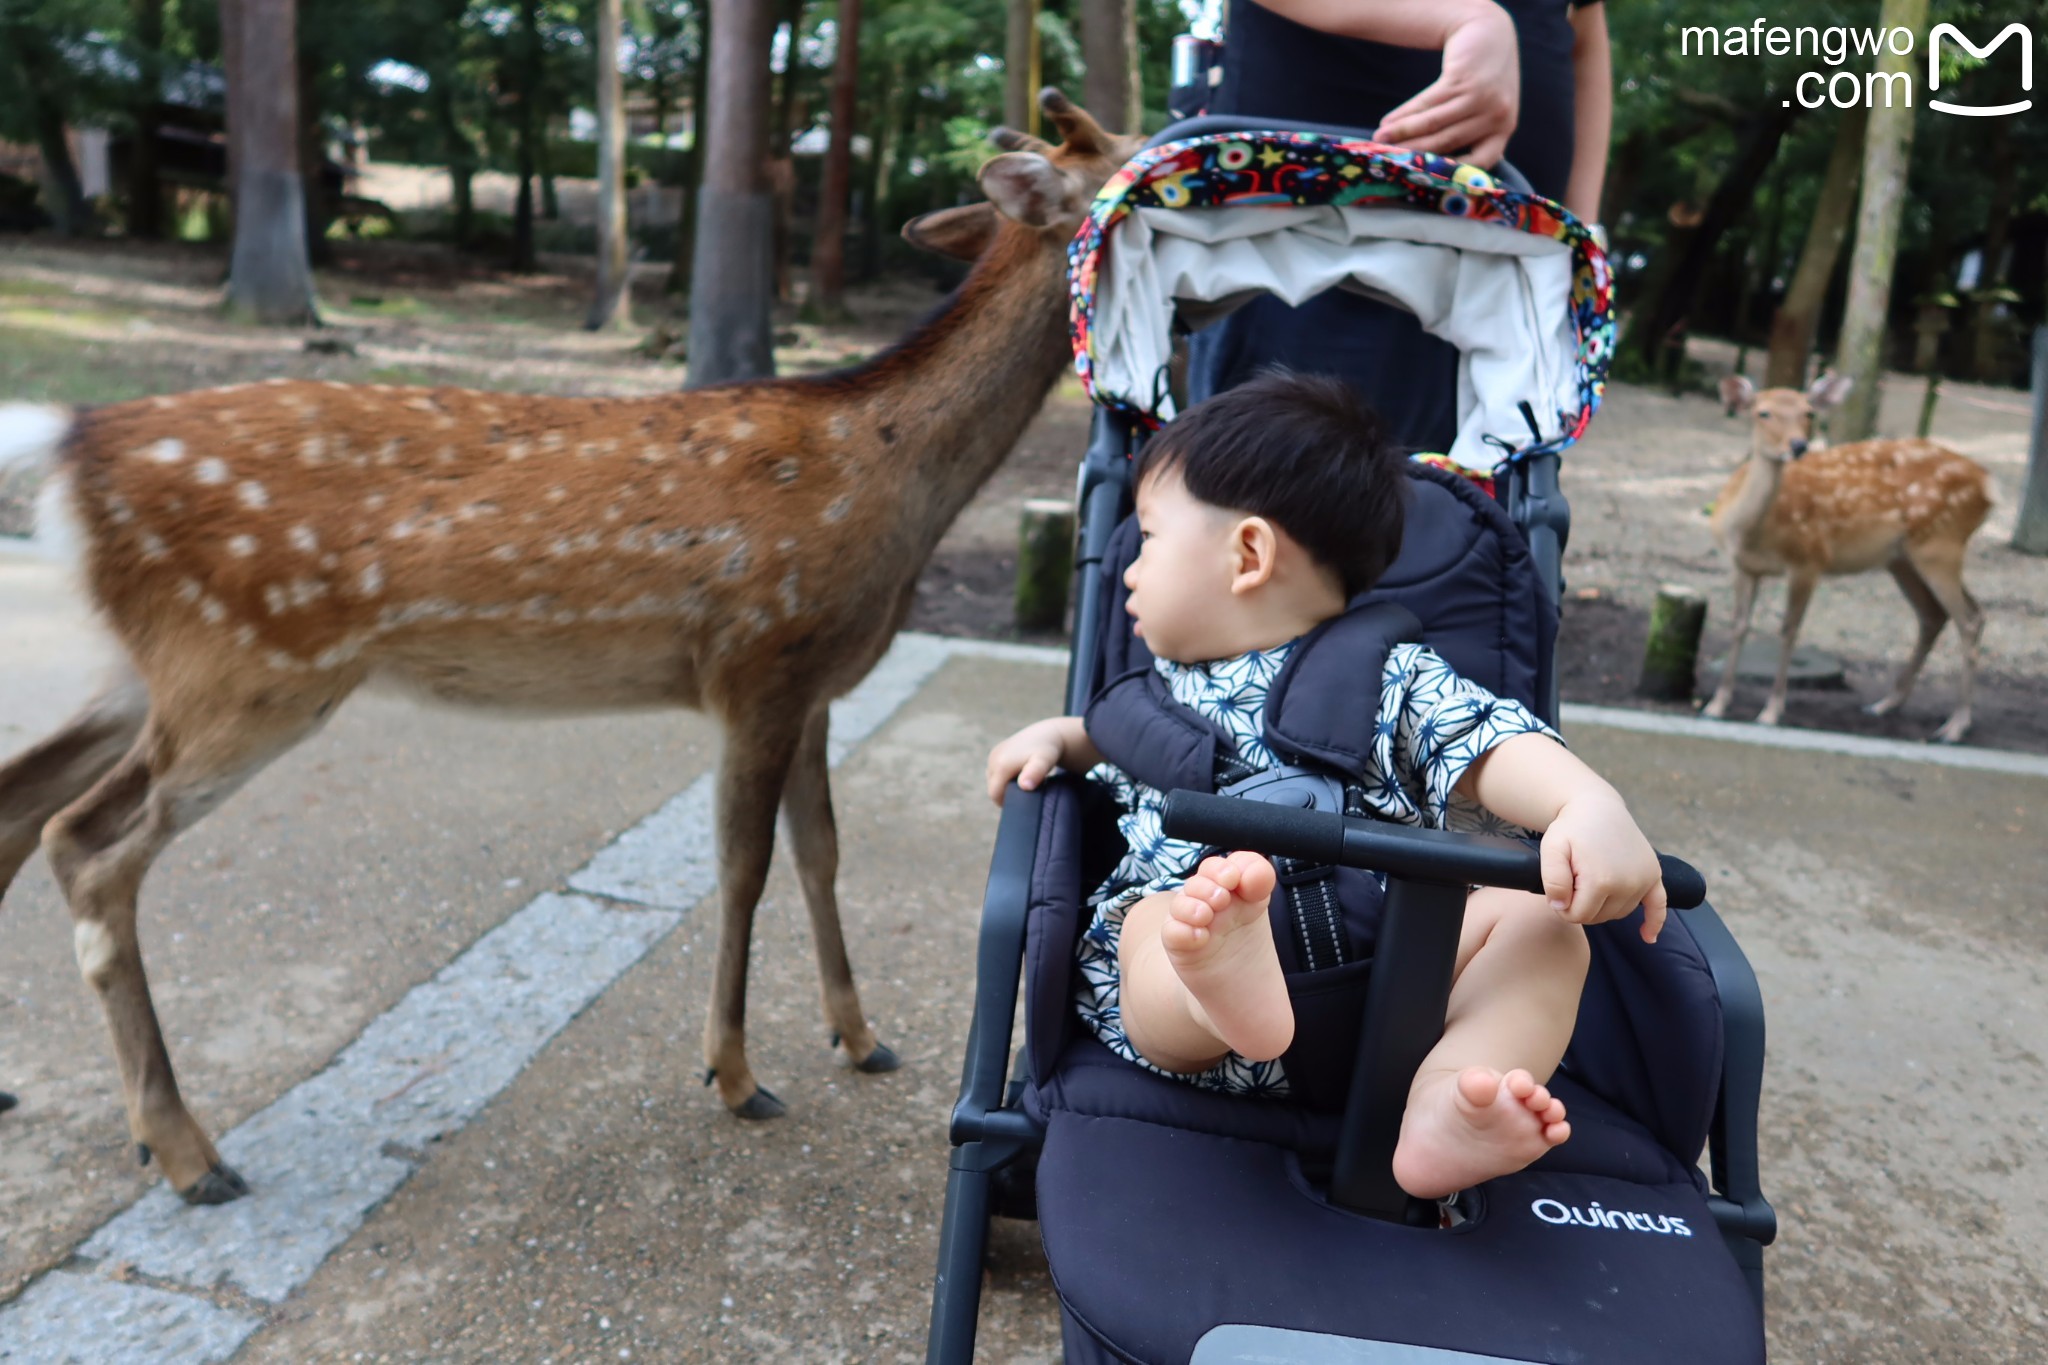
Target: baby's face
1180 582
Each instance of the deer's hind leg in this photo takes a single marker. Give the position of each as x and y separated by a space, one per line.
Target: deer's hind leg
187 760
1941 567
1927 609
39 782
814 839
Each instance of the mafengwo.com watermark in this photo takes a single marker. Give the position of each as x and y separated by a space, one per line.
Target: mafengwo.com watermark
1837 46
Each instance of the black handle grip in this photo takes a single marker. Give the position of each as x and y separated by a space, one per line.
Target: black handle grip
1429 855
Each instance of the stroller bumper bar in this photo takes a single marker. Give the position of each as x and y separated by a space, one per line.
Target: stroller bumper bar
1422 855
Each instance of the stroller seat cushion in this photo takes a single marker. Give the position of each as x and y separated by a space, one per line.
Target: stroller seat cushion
1156 1235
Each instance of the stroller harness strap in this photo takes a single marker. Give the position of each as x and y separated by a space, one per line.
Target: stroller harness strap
1322 711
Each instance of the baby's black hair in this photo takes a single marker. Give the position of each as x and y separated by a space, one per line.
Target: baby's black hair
1305 452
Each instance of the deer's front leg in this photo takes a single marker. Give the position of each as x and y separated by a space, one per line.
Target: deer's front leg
814 835
751 775
1798 592
1745 603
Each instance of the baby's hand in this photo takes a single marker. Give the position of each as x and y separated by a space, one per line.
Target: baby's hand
1026 757
1597 865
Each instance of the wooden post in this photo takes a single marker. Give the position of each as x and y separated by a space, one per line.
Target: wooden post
1045 563
1670 660
2030 534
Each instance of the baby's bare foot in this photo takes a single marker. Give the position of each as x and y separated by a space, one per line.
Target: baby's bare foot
1465 1127
1220 942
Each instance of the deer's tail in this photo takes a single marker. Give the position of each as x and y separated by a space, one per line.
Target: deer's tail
32 439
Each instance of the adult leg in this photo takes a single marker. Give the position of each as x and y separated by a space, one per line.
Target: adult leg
39 782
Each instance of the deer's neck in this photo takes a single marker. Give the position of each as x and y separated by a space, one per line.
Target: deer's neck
1744 507
938 412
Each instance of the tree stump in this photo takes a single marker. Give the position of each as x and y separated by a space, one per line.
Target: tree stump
1671 659
1045 563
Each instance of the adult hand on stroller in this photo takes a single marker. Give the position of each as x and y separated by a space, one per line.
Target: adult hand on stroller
1471 109
1029 756
1597 866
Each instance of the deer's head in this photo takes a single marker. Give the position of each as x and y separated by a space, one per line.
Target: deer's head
1034 185
1781 420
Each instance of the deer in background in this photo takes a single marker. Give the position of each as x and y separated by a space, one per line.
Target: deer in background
1793 508
748 550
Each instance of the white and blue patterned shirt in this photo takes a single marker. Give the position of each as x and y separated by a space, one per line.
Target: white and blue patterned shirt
1432 725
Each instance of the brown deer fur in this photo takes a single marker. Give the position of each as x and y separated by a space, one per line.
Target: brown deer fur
1794 508
750 550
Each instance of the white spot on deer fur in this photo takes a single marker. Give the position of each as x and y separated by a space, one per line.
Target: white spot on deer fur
274 600
558 494
445 455
786 544
169 450
614 512
838 428
211 611
334 656
586 450
161 401
188 589
152 545
302 539
667 486
718 456
245 635
118 510
403 527
95 947
375 502
786 470
791 604
553 440
518 450
837 509
313 449
741 429
241 547
736 562
283 663
253 495
371 581
211 471
505 553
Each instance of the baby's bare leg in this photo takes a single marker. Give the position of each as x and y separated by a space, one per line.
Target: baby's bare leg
1477 1108
1201 976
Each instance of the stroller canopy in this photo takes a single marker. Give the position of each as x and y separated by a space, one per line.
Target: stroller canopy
1511 279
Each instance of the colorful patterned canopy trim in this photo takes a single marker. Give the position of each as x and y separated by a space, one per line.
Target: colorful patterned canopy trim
1285 169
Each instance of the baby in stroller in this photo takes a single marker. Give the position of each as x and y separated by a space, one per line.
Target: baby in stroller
1264 511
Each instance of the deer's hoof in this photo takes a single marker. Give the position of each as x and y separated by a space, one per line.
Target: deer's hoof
220 1185
1881 708
762 1104
882 1059
1949 735
7 1101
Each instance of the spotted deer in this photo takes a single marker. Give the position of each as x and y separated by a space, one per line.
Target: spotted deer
747 550
1804 511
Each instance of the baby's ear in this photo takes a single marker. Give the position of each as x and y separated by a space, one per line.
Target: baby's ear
1255 543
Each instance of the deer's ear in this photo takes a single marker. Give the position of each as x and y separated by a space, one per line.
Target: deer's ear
961 233
1025 187
1736 393
1828 391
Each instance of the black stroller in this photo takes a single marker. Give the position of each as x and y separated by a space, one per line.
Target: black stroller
1614 1246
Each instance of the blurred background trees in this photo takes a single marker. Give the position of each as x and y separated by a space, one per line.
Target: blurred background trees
1732 208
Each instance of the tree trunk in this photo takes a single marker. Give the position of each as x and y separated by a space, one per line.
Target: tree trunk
1109 47
269 278
231 66
1798 316
881 162
781 161
462 157
145 186
34 59
523 255
1679 284
550 201
1887 153
612 306
732 274
1019 100
693 161
2001 170
828 244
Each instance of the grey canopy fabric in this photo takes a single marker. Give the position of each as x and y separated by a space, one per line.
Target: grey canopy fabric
1501 297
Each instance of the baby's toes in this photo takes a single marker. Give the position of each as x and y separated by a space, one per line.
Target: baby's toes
1538 1099
1520 1084
1190 908
1179 936
1555 1133
1256 878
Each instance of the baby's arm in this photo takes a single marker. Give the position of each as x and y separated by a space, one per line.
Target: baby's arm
1597 865
1034 751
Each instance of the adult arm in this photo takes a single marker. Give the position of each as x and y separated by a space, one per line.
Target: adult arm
1592 110
1472 107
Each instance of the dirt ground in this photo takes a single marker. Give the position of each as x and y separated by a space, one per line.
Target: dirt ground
100 322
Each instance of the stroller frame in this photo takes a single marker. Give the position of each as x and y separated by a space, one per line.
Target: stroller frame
995 1142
